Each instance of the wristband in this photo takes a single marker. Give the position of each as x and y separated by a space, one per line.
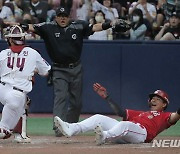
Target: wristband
107 97
106 25
178 111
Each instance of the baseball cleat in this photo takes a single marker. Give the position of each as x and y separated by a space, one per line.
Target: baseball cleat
63 126
99 135
19 139
4 134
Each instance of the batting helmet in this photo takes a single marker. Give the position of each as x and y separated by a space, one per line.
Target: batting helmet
16 33
163 95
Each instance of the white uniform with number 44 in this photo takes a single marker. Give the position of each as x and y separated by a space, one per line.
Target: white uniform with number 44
16 71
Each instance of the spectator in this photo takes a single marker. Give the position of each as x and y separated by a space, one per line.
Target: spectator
101 35
110 13
6 16
149 14
138 30
121 7
172 6
161 17
170 30
149 10
18 12
6 12
38 9
84 10
72 5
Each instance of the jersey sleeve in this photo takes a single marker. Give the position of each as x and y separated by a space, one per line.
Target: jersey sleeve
131 113
166 117
40 28
42 65
87 28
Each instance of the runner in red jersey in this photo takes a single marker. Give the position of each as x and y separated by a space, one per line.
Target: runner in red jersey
154 121
136 127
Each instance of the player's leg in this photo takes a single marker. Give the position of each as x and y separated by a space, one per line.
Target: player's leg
4 132
13 108
70 129
123 132
75 94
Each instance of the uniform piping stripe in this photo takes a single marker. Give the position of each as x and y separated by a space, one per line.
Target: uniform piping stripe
114 138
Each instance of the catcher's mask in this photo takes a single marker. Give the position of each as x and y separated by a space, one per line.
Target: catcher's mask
16 34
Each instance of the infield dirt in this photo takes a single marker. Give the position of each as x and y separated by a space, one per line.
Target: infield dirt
80 145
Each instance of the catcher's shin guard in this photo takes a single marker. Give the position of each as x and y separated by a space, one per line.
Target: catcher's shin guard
20 131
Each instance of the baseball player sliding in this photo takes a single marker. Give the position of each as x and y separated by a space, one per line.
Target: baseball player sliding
18 64
136 127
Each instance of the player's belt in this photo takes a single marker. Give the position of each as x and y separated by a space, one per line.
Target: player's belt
70 65
18 89
3 83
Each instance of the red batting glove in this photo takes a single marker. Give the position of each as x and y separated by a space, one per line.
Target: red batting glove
100 90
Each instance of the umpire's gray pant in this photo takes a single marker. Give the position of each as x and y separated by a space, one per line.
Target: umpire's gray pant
67 83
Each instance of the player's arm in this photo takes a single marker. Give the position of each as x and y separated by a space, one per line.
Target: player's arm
174 117
101 91
101 26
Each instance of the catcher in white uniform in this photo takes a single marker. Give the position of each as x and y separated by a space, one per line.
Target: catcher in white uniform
18 64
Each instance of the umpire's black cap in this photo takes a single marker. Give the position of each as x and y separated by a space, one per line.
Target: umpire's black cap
63 11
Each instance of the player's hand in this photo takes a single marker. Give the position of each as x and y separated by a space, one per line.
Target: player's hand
100 90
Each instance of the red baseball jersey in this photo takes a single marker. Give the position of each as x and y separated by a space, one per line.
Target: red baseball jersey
154 121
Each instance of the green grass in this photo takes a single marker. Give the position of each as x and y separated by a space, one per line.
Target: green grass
43 126
40 126
172 131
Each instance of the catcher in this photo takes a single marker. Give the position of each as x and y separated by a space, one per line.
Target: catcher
136 127
18 64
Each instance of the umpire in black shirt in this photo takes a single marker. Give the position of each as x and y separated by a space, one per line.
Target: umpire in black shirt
64 40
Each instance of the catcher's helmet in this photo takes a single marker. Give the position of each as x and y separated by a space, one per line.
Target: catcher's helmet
16 33
163 95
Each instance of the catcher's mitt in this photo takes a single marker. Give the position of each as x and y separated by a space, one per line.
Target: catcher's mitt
121 25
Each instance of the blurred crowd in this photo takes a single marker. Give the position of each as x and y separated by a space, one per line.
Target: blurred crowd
149 19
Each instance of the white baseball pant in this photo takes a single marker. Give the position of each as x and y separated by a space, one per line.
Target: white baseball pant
14 102
113 130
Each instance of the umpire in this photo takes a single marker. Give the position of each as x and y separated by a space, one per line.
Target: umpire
64 40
